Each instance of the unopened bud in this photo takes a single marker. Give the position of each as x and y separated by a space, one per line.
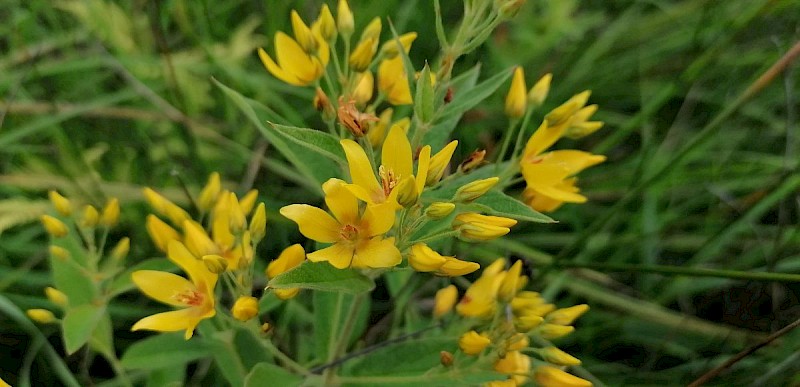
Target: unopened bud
236 219
110 214
538 93
546 375
53 226
344 19
90 216
362 55
558 357
215 263
245 308
553 331
439 163
510 8
120 251
528 322
407 192
61 204
511 281
365 84
566 316
160 232
516 99
446 358
473 343
454 267
389 48
303 34
258 223
439 210
562 113
56 296
325 24
208 196
444 301
59 252
517 342
424 259
474 160
266 327
42 316
473 190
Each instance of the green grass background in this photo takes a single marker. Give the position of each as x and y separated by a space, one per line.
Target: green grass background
101 98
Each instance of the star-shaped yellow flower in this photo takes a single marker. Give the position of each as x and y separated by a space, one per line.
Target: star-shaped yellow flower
195 296
295 65
397 164
357 237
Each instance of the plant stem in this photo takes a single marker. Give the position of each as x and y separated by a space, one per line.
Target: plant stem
344 336
289 362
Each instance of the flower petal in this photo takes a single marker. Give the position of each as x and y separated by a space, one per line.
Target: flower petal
294 60
290 257
361 169
339 255
313 222
544 137
573 161
342 203
191 265
162 286
175 320
276 70
422 167
396 152
378 219
377 253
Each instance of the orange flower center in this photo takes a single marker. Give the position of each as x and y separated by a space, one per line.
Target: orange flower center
348 232
190 297
389 179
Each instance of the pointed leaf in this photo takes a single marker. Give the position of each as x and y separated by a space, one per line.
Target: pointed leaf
323 276
165 350
79 324
321 143
266 373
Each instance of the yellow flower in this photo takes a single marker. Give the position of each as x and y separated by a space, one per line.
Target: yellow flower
41 316
210 193
165 207
396 164
439 163
424 259
393 79
160 232
516 365
194 296
553 331
56 296
549 376
439 210
258 223
550 180
473 343
53 226
556 356
475 189
110 215
516 100
480 299
344 18
303 35
296 66
517 342
444 301
61 204
566 316
245 308
539 91
378 131
357 238
289 258
90 216
479 228
389 48
362 93
511 282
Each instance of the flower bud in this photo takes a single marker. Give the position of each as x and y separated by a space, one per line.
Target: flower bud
516 99
303 34
538 93
439 210
471 191
110 215
362 55
444 301
120 251
510 8
423 258
61 204
407 192
517 342
344 19
527 322
196 239
389 48
564 112
510 284
236 219
41 316
289 258
446 358
352 119
566 316
439 163
215 263
515 364
245 308
90 216
258 223
53 226
365 83
160 232
453 267
266 327
248 201
473 343
553 331
372 30
208 196
557 356
546 375
325 24
56 296
377 132
474 160
59 252
478 228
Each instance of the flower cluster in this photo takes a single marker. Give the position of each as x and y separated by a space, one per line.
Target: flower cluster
508 322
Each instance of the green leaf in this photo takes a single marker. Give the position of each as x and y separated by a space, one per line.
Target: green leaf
270 374
423 101
165 350
79 324
326 322
315 169
499 204
320 142
404 358
123 282
70 275
102 339
323 276
463 100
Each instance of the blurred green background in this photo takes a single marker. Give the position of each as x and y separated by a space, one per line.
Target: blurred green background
100 98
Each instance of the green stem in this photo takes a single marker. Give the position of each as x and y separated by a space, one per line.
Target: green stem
443 234
344 336
512 125
289 362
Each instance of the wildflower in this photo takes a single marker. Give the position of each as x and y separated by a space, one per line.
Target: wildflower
344 19
90 216
439 162
565 111
473 343
389 48
444 300
396 164
210 193
245 308
362 55
258 223
297 65
195 296
41 316
515 364
56 296
558 357
61 204
325 25
480 298
473 190
357 238
477 227
53 226
110 215
121 249
511 282
362 93
352 119
165 207
393 78
566 316
423 258
289 258
553 331
549 376
538 93
439 210
517 97
160 232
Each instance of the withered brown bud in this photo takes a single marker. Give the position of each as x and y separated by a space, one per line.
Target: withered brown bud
473 161
352 119
448 96
446 358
